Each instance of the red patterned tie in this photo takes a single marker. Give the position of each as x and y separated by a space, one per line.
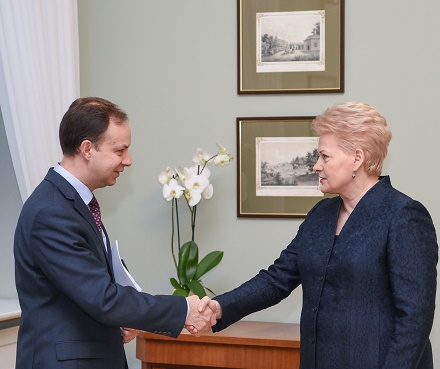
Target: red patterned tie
96 212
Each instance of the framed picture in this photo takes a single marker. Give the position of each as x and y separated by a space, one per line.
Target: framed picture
275 176
290 46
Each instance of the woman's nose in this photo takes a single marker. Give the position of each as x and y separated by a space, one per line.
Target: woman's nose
317 167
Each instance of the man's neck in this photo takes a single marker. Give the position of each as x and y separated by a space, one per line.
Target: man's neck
76 167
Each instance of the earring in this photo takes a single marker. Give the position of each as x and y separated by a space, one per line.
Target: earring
354 174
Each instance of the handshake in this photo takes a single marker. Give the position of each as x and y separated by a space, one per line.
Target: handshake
203 314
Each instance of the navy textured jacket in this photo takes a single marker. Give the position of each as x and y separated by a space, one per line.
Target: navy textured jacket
368 294
72 310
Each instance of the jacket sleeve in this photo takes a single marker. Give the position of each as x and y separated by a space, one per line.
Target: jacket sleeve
266 289
65 252
412 259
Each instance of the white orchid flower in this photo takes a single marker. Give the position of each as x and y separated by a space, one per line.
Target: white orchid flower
221 150
222 159
192 171
201 157
172 190
166 175
205 172
196 170
208 192
196 182
193 197
183 173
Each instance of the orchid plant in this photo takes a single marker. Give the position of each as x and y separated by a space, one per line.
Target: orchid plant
193 185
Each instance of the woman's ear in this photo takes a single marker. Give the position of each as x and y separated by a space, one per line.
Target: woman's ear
359 158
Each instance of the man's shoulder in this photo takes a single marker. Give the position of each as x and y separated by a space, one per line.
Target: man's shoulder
54 183
52 189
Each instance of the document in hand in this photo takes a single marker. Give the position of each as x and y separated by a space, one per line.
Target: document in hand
122 276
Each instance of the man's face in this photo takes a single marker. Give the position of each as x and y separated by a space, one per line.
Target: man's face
111 156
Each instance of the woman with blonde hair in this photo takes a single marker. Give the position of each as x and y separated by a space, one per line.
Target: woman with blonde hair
366 258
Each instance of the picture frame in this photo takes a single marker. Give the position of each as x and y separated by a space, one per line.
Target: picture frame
290 46
275 158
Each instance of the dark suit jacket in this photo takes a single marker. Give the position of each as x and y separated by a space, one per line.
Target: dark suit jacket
72 310
368 296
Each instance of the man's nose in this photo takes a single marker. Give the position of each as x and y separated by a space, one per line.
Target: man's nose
127 159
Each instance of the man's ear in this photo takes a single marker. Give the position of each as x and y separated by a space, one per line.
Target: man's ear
85 149
359 158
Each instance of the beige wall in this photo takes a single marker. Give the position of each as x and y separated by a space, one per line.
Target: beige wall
172 65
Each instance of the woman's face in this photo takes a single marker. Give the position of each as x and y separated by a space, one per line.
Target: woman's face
334 166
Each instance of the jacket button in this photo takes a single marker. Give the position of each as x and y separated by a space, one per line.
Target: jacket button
314 309
312 340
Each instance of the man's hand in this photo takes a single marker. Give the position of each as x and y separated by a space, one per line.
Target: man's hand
199 320
128 334
213 305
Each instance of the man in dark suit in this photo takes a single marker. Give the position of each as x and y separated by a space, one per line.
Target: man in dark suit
72 309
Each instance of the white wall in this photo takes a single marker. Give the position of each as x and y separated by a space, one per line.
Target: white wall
172 65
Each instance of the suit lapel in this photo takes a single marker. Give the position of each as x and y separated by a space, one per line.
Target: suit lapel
364 215
108 255
78 204
318 242
84 210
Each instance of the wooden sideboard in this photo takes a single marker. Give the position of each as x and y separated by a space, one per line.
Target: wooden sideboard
243 345
10 314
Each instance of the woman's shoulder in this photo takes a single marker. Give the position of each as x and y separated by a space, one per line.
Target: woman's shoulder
396 201
393 193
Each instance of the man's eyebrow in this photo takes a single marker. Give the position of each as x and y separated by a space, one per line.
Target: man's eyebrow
120 147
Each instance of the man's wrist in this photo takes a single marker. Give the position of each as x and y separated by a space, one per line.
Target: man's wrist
187 308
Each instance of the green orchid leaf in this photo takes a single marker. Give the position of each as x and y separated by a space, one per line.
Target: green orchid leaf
210 291
181 292
208 262
188 260
197 288
174 283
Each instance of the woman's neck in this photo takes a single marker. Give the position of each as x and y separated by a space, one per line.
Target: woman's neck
360 187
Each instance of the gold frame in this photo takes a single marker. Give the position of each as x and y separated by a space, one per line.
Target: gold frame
248 203
329 80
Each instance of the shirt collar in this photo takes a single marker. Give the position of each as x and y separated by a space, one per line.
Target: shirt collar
80 187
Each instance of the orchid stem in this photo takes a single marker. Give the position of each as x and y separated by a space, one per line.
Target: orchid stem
178 224
193 221
174 204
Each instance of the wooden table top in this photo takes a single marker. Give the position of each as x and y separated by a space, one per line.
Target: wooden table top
244 333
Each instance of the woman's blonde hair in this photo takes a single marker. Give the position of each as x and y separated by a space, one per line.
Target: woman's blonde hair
357 126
